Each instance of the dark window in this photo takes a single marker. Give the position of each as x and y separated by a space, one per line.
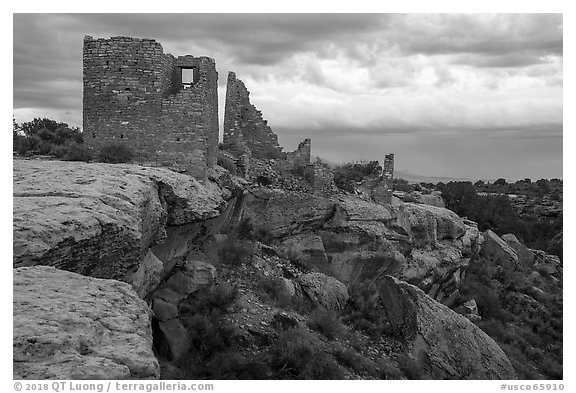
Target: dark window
93 135
121 136
177 139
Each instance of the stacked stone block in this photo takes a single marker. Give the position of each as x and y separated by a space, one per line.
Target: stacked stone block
133 94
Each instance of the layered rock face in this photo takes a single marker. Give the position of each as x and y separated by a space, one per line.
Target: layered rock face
68 326
100 219
358 241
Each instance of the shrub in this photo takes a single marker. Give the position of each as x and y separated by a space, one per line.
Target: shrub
228 164
263 181
213 353
276 289
245 228
295 357
211 301
388 370
73 152
345 176
402 185
409 367
351 359
115 153
326 322
233 365
235 252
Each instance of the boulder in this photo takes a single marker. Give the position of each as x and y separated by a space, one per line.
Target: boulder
525 256
324 291
498 251
281 213
148 275
307 248
101 219
426 225
68 326
444 344
195 274
546 263
173 339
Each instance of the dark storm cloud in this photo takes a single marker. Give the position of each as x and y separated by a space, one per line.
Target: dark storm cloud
249 38
502 40
48 47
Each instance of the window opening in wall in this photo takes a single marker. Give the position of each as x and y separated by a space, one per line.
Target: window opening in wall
93 135
189 76
121 136
177 139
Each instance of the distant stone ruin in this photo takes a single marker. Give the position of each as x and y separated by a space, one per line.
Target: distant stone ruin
165 109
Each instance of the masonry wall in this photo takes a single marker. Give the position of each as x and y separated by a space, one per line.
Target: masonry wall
301 155
244 127
133 94
384 187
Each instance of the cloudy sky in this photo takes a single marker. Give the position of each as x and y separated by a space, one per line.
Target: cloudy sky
461 95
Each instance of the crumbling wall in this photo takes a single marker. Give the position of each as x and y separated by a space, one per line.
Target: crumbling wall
301 156
134 94
244 127
383 188
323 179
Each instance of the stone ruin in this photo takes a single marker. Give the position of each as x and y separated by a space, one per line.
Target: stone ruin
165 108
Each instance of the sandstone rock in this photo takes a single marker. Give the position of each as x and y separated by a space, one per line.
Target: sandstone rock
358 210
68 326
546 263
193 276
444 344
525 256
471 239
282 213
174 341
101 219
427 225
427 267
497 250
163 310
324 290
148 275
308 248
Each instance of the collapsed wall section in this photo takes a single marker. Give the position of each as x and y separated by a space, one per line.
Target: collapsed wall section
302 155
136 95
244 128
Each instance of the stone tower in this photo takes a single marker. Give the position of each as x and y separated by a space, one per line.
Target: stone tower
164 108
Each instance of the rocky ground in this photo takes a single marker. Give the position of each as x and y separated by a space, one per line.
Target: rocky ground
246 281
